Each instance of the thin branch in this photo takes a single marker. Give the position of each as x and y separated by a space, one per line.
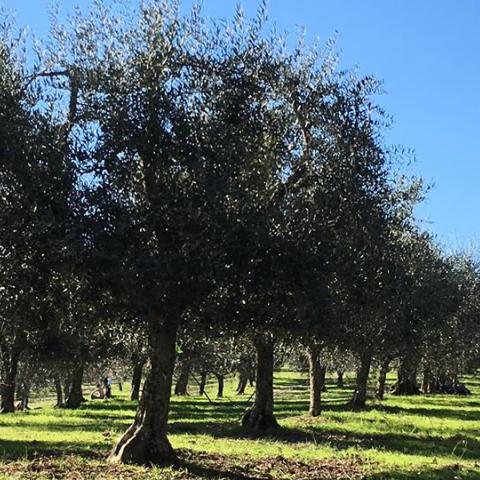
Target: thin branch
48 74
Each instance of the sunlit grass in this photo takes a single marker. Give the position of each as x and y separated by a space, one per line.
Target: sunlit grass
426 437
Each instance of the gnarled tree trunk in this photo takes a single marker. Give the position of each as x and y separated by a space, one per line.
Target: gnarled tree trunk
316 379
260 415
75 394
136 378
10 357
360 394
146 442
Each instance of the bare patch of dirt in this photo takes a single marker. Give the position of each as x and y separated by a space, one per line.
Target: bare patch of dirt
275 467
192 466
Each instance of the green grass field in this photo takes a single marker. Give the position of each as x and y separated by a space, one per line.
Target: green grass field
424 437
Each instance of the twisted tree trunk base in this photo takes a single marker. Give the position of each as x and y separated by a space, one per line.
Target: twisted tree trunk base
146 442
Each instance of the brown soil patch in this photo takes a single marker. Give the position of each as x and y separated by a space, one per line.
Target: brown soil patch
192 466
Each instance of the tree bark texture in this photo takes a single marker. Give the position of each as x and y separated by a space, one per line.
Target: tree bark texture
360 394
316 379
146 442
75 394
260 415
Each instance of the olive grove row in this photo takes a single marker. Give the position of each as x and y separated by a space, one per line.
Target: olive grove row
174 185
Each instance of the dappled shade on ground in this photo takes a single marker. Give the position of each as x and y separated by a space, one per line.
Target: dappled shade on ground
425 437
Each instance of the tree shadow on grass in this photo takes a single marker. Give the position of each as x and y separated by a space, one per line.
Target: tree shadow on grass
205 472
233 468
451 401
406 444
96 426
99 405
291 384
221 420
16 449
446 413
217 466
230 410
462 446
443 473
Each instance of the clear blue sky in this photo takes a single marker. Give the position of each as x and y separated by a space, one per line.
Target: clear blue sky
428 55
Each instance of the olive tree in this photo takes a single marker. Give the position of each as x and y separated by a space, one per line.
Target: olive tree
189 142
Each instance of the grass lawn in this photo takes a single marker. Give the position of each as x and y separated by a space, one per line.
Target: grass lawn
422 437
